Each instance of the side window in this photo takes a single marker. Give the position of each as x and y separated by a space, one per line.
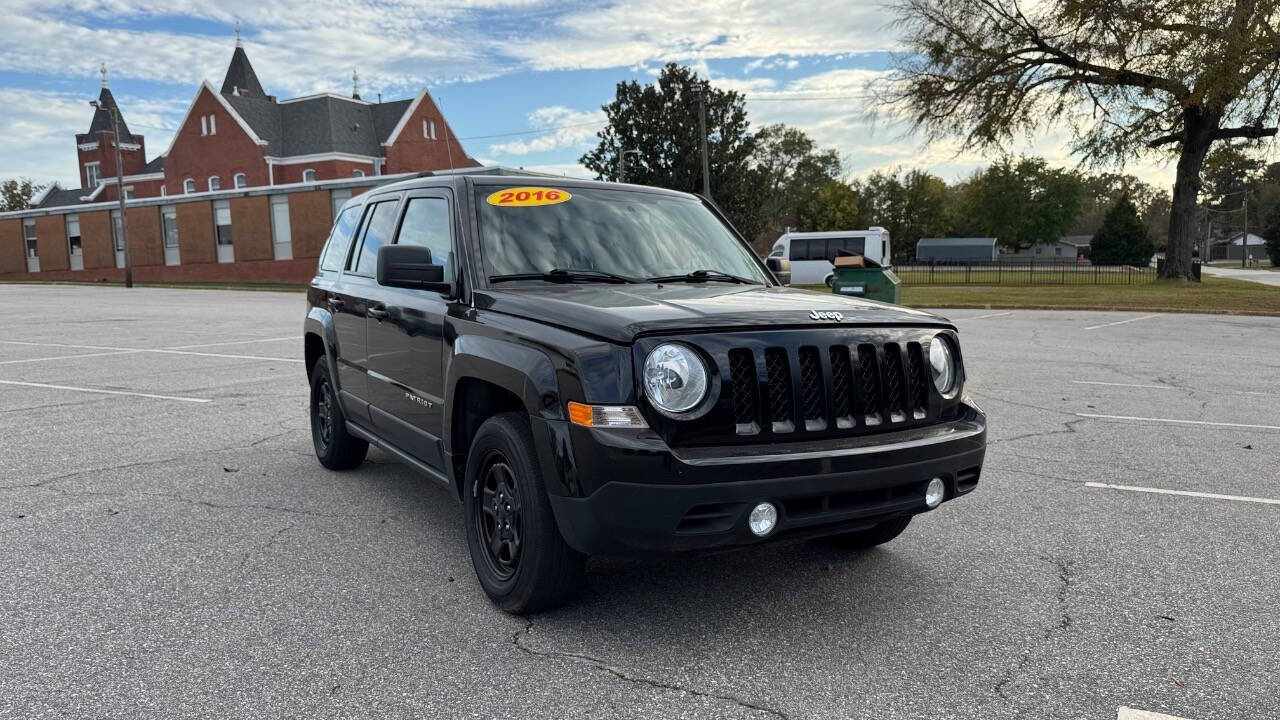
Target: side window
377 232
426 223
335 252
799 249
856 245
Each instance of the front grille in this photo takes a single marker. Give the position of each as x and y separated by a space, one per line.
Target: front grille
854 387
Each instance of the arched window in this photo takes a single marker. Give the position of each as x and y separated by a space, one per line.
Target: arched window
357 173
308 175
188 186
240 180
214 183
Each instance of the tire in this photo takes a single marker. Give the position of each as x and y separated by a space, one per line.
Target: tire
830 281
336 448
872 536
520 558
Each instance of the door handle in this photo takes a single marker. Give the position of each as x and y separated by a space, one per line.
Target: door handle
336 302
377 313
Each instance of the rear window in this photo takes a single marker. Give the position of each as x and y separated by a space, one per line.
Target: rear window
335 251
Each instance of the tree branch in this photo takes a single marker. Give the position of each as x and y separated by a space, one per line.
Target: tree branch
1253 133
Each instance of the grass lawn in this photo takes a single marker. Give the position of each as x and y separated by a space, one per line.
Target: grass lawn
1213 295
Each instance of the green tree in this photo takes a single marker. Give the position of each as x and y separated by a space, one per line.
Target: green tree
1127 77
1103 190
834 206
1272 235
1021 202
791 170
909 205
660 122
1122 239
17 194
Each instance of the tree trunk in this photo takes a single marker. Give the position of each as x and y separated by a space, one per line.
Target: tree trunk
1186 191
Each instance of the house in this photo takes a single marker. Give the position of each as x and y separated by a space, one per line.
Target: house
1233 247
956 250
1069 248
238 136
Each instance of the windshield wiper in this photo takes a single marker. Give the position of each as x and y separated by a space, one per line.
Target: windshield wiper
703 276
566 275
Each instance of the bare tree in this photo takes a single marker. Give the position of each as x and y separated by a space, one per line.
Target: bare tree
1126 76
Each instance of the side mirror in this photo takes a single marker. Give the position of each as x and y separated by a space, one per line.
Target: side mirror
781 269
409 266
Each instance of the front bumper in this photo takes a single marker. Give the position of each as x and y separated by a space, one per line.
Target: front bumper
688 499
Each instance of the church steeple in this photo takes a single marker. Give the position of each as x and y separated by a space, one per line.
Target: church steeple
102 114
241 79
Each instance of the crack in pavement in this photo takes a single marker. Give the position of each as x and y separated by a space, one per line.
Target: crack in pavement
625 677
1063 622
265 546
1068 428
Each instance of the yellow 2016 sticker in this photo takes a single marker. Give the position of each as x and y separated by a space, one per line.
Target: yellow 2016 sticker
528 197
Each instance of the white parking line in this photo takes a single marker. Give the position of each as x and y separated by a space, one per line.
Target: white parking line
105 392
1176 421
123 350
984 317
1132 385
1121 322
1125 713
233 342
1186 493
67 357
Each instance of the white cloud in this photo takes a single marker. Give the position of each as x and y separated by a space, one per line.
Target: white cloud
565 128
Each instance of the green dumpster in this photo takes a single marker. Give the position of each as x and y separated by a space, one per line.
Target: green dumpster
872 283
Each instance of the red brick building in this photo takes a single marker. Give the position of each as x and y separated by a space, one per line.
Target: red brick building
238 136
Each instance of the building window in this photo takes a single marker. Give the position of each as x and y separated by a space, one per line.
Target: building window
204 124
340 198
308 175
214 183
1057 251
213 124
282 240
357 173
29 235
240 180
92 174
73 234
128 192
188 186
170 217
432 124
429 129
222 231
117 233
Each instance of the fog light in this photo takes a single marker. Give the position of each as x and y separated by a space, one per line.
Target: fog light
934 492
764 517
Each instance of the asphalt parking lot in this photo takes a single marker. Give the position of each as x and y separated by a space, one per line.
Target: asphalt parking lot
173 549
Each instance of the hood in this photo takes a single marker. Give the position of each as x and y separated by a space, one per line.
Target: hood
623 312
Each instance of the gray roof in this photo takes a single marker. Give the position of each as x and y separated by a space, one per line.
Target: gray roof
102 119
156 165
321 124
59 197
955 242
240 76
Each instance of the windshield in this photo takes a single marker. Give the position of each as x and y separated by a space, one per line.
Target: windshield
636 235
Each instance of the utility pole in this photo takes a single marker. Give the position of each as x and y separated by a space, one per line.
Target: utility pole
1244 241
702 130
124 233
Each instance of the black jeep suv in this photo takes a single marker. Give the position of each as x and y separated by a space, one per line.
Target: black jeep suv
604 368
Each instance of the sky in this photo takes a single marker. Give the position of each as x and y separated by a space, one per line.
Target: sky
521 82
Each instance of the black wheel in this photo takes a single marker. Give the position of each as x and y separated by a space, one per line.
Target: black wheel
522 562
872 536
335 447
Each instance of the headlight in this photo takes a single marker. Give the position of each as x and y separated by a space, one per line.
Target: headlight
675 378
942 364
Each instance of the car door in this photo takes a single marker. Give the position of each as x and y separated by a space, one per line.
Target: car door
406 337
349 300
